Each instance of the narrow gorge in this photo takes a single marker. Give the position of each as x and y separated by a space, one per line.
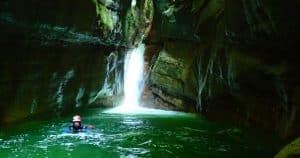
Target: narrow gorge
152 76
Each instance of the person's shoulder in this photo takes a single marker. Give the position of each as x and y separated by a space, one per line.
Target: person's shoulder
88 127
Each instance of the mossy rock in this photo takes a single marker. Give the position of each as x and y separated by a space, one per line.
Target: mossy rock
137 22
130 25
172 69
291 150
105 18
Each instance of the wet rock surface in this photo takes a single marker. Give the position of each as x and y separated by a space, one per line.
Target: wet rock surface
241 64
50 64
229 60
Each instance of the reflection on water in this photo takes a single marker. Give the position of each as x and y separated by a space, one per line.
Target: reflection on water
116 135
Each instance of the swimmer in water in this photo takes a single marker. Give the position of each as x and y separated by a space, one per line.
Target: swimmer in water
77 126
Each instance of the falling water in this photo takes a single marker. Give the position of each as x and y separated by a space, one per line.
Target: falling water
133 80
133 3
133 77
134 84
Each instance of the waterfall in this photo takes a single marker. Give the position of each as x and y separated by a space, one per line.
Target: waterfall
133 3
133 80
133 76
134 85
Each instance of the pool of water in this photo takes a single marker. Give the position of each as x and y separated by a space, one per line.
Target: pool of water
133 135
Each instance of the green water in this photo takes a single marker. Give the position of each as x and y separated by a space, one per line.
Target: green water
160 135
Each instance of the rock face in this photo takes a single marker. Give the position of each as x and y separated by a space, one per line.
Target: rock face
61 55
137 21
124 22
235 59
72 13
52 62
60 80
229 60
172 74
108 20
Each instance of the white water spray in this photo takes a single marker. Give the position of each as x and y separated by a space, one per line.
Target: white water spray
133 81
133 77
133 3
134 84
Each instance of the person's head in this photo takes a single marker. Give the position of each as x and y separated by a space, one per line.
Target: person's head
76 121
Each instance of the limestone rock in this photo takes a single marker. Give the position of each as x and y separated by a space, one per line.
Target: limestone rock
172 70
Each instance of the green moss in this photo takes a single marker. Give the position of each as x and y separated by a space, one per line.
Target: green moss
176 86
130 25
148 10
173 69
169 66
292 150
137 22
104 16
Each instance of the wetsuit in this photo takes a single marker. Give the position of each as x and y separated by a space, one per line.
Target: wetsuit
77 129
